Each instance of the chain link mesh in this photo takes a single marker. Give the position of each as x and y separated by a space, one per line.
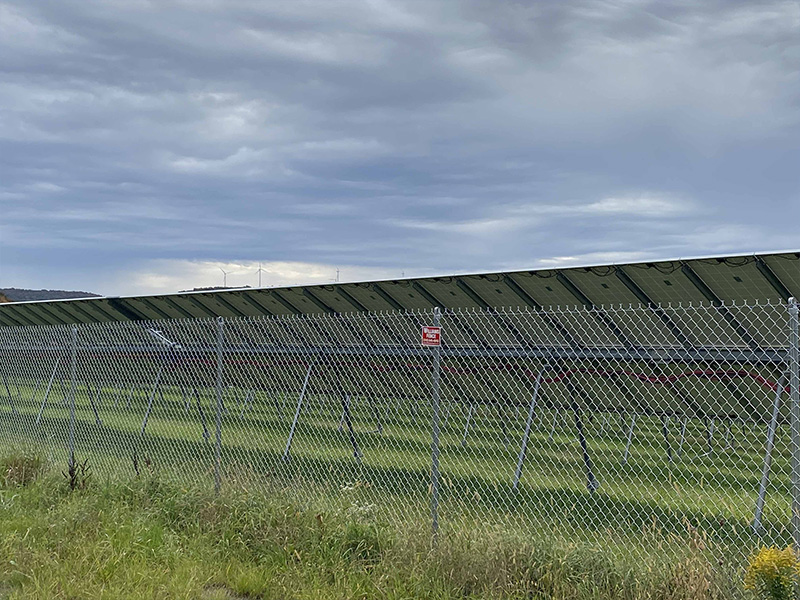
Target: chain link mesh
654 431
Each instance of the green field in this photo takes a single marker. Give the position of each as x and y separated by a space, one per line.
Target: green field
155 536
650 512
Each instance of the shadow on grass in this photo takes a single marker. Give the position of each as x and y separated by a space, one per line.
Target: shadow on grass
568 505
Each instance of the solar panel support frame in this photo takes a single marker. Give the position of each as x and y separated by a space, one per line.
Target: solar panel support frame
772 278
637 291
125 310
599 314
709 294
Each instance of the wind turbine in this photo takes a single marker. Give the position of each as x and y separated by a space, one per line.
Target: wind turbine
224 277
260 270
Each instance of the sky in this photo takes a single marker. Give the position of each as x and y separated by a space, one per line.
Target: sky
148 146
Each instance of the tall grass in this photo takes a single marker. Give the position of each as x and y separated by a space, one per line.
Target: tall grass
153 536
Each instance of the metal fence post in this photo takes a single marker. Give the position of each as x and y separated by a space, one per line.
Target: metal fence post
435 384
73 390
527 434
219 388
794 402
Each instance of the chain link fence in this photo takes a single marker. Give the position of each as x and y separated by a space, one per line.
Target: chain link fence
649 430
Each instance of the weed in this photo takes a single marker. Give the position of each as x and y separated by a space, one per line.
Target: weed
20 470
361 542
148 462
773 573
77 475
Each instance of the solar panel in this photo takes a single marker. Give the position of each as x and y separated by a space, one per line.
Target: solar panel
785 269
727 279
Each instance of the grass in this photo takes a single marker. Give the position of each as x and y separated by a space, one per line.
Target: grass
689 518
154 536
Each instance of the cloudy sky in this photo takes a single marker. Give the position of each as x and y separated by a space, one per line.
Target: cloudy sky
145 144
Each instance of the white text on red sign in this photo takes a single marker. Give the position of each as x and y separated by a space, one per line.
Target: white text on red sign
431 336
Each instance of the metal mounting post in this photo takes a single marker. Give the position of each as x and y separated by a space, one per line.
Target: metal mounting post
603 424
591 482
348 422
794 402
466 425
771 428
553 426
683 436
248 401
47 392
526 435
222 396
665 433
201 414
376 414
297 413
36 390
630 438
710 423
340 427
62 386
220 406
501 415
91 395
149 408
9 396
282 406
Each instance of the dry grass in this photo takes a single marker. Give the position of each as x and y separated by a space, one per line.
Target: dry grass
20 469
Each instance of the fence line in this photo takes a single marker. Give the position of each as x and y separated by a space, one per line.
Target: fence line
598 423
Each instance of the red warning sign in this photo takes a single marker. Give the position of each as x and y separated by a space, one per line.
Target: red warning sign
431 336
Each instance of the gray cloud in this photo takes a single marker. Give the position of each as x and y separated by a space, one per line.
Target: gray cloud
389 136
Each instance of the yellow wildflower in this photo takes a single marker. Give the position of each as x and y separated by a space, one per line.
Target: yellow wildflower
773 573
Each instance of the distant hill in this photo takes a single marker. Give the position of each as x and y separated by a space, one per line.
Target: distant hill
21 295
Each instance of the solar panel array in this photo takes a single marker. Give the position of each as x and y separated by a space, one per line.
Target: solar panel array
616 399
715 280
